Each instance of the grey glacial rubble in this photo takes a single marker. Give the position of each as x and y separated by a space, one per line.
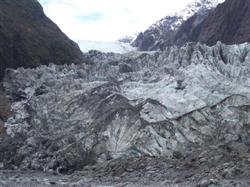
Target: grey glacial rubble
133 105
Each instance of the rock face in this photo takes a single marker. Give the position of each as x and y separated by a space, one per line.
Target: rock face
229 23
4 107
122 106
8 145
28 38
5 111
163 33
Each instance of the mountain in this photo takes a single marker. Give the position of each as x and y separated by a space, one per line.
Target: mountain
228 23
162 33
28 38
179 116
125 106
105 46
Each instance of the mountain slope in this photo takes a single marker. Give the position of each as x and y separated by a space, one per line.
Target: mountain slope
28 38
162 33
228 23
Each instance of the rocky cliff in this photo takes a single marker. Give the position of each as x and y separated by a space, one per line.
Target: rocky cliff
28 38
123 106
228 23
163 33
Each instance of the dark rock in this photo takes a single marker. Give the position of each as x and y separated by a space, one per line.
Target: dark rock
176 28
157 37
188 29
5 112
233 22
5 108
28 38
52 183
125 68
8 151
40 90
177 155
228 23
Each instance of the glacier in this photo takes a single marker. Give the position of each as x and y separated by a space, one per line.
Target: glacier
130 105
105 46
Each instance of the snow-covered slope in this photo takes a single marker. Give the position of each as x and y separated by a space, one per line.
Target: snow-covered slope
195 7
162 33
103 46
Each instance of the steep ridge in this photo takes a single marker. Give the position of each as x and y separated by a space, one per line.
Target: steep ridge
28 38
228 23
124 106
163 33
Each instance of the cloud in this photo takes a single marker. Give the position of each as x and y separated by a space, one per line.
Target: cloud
107 20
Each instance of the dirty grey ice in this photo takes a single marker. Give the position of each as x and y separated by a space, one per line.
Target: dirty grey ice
140 104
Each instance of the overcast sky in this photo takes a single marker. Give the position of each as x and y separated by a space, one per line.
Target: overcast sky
107 20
